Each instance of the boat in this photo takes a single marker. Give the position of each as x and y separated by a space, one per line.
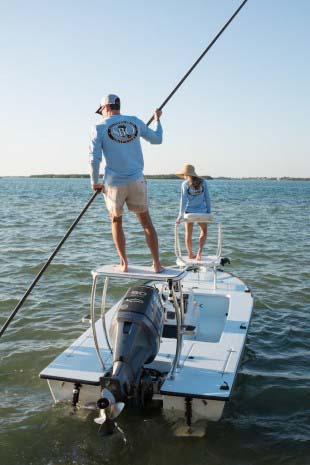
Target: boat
175 339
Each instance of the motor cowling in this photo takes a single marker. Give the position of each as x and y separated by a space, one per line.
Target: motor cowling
135 334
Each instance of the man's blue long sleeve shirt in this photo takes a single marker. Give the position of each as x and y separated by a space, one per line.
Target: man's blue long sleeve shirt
117 138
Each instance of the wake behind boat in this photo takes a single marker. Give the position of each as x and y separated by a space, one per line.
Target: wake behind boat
176 337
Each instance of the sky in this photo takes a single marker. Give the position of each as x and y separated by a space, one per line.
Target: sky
244 111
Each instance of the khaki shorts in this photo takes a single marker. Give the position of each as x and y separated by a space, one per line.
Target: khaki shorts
133 194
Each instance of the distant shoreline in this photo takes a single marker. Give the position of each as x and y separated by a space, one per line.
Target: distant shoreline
169 176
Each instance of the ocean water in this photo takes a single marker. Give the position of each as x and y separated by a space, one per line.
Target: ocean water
266 235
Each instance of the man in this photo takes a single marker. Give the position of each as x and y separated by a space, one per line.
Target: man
118 139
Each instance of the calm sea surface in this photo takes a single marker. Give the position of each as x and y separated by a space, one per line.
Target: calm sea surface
266 228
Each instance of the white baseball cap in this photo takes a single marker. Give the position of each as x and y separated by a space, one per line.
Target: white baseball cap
110 99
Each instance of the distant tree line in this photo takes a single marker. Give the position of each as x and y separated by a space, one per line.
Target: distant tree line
149 176
173 176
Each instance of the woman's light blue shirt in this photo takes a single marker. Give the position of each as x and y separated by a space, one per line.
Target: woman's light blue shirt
193 201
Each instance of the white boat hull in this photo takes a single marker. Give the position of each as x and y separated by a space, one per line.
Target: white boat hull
201 409
217 321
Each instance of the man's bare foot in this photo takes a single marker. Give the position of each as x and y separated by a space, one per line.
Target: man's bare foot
191 255
122 267
198 257
158 268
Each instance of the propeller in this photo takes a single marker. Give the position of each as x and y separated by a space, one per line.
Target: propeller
109 409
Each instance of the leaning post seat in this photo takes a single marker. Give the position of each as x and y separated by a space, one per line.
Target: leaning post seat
198 218
208 261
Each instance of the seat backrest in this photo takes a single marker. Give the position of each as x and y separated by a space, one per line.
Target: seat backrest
198 218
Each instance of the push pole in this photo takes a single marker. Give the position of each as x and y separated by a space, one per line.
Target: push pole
199 59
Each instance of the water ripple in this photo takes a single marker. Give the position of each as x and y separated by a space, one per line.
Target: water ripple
266 226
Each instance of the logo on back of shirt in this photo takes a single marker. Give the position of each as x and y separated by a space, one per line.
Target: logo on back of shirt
123 131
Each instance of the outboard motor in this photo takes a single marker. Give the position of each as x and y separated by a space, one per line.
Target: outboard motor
135 334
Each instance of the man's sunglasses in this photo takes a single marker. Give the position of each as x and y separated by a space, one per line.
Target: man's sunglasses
100 109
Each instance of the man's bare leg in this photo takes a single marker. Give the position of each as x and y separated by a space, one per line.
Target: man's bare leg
202 239
151 239
119 240
188 239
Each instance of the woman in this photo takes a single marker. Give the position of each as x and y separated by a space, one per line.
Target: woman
195 198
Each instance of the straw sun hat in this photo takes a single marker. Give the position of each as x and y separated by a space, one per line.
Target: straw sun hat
187 170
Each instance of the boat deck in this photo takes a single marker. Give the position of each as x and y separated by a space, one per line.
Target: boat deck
212 359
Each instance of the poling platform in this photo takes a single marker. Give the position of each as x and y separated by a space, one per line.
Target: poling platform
140 272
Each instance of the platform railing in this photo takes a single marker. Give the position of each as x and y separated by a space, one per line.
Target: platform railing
102 313
179 311
102 317
180 316
93 320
